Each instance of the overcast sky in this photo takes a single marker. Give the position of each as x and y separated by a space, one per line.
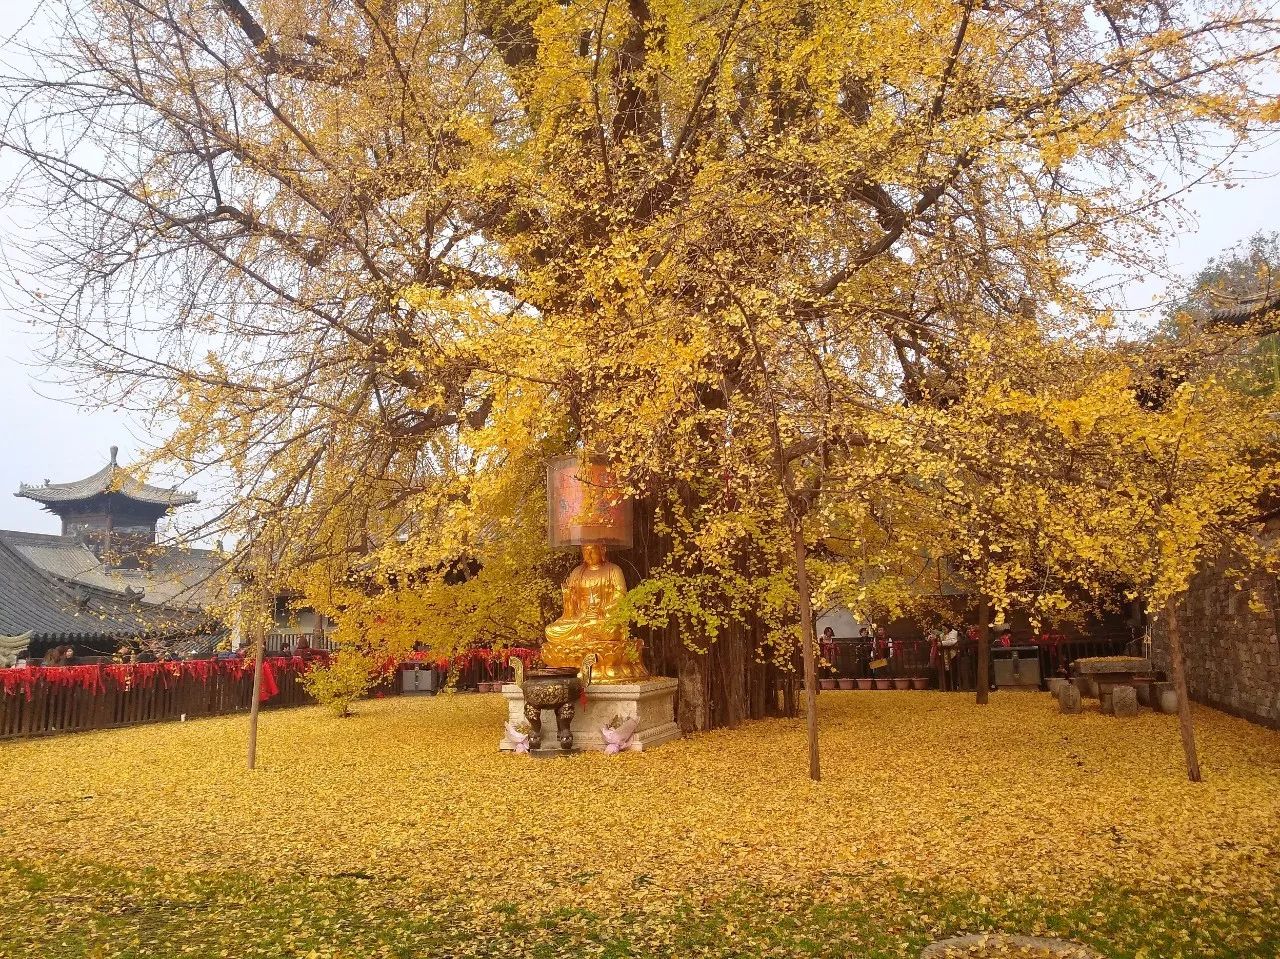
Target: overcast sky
45 436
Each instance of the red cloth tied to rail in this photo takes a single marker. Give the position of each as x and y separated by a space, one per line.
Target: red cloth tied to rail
269 687
83 677
143 675
22 680
94 678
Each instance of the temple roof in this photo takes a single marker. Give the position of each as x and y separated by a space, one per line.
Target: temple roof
174 575
31 599
110 479
1238 310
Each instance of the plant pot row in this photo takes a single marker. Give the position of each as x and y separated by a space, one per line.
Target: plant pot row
489 687
899 682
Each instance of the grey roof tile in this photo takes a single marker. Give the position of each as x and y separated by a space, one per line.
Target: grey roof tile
110 479
177 576
1246 308
31 599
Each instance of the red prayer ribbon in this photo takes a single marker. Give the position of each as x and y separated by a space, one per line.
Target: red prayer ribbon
23 680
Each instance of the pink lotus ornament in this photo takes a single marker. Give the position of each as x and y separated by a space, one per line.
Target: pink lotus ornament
619 738
519 740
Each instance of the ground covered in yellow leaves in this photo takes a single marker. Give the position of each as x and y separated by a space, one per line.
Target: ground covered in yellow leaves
402 832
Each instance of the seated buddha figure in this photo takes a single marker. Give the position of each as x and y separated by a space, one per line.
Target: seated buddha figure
592 590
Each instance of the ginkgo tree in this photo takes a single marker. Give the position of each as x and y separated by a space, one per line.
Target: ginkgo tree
1179 472
1121 474
379 261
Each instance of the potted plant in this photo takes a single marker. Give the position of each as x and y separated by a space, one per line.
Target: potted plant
919 682
826 684
844 683
901 682
867 683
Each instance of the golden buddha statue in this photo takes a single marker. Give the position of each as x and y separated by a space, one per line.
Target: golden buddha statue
592 590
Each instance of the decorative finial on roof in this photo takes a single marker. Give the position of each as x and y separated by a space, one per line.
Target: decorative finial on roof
115 450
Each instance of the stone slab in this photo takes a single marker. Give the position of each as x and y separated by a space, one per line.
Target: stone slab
1112 664
652 703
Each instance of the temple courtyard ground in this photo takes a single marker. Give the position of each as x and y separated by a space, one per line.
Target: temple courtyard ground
402 832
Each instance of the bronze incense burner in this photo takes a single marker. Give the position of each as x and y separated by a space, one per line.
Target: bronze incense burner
554 688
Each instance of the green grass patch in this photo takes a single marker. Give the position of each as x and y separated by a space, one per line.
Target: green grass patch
76 910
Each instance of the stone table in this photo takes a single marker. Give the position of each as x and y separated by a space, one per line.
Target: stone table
1111 671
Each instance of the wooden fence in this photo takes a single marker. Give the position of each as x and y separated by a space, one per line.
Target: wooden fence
41 702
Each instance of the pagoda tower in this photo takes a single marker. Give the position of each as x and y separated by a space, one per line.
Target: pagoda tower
110 511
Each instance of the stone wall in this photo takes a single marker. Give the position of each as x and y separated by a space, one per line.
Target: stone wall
1232 651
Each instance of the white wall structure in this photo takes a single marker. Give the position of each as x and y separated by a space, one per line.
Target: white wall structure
842 621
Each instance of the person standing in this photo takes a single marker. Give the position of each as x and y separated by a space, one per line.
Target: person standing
950 640
879 651
828 648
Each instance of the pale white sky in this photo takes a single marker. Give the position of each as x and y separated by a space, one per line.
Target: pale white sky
44 436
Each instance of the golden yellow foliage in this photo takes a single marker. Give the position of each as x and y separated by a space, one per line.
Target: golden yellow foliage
920 792
339 683
796 268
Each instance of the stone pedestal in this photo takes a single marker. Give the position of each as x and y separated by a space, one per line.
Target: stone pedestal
652 702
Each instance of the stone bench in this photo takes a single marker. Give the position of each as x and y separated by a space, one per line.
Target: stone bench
1164 697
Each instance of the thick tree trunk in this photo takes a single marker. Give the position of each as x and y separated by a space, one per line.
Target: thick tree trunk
734 663
692 706
806 645
984 651
727 684
1177 665
757 683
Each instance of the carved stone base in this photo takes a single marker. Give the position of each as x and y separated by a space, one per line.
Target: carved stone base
652 702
